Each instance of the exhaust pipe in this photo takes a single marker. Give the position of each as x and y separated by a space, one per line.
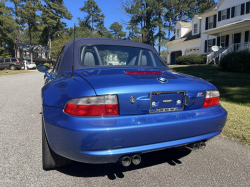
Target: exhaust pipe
136 159
202 145
126 161
196 146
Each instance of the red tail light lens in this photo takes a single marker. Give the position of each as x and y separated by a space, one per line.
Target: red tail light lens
93 106
212 98
143 72
18 62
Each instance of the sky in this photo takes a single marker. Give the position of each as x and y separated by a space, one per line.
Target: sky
108 7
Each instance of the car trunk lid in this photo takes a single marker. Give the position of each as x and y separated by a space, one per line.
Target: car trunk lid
142 94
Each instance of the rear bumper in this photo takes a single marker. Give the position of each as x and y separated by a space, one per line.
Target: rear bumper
105 140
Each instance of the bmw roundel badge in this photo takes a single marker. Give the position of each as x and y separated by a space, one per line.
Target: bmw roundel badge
163 80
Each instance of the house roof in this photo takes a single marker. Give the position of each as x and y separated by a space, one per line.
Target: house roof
234 25
187 37
185 23
26 47
209 10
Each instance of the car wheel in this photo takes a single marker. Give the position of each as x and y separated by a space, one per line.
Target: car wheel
12 67
50 159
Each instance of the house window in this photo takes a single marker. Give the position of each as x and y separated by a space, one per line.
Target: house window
223 14
237 10
223 41
195 28
178 33
210 44
210 22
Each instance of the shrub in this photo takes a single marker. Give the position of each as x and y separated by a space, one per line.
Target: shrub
191 59
236 62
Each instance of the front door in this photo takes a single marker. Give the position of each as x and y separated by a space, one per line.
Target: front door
237 39
172 58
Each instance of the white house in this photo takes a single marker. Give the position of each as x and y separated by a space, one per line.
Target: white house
226 25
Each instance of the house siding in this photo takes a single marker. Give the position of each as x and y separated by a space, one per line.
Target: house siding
216 13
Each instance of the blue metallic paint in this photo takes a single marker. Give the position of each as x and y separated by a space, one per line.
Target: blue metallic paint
105 139
80 137
63 88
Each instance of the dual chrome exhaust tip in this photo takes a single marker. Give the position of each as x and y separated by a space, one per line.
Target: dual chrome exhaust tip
136 159
127 160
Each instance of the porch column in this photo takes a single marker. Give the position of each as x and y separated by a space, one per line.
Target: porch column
220 37
207 44
233 37
168 58
183 52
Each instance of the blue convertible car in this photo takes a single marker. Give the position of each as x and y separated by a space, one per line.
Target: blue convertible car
109 101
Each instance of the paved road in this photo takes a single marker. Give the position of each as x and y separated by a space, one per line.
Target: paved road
223 163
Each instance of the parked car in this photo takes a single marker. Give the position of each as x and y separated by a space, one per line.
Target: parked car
11 63
96 113
30 65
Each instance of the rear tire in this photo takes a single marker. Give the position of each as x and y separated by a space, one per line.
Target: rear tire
51 160
13 67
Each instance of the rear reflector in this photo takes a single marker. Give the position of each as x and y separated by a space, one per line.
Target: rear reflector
212 98
143 72
93 106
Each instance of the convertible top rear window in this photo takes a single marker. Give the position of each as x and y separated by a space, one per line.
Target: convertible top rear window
110 55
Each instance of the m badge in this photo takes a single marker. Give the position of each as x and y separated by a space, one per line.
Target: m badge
200 94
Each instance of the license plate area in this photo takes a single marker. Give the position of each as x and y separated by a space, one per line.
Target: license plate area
166 101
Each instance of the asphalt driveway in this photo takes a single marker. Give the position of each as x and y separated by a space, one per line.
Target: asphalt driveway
223 163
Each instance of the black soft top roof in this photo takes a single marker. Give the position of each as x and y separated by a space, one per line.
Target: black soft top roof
67 58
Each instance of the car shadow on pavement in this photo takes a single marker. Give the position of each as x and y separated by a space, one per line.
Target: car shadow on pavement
113 171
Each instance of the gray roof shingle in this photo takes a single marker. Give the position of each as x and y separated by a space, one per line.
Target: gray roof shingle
188 36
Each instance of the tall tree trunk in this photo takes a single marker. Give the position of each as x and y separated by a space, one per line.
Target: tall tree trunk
180 18
159 47
49 38
142 39
92 25
17 34
31 51
169 27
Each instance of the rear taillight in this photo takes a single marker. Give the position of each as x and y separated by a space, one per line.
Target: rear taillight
18 62
143 72
93 106
212 98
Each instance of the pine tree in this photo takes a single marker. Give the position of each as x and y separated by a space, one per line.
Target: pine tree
116 30
52 13
158 21
16 13
30 17
140 13
94 15
7 26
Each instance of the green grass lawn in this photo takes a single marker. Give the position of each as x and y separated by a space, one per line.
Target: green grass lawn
235 97
11 72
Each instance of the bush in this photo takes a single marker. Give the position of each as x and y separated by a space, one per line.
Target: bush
191 59
236 62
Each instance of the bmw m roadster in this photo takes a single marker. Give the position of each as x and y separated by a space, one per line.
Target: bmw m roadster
109 101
